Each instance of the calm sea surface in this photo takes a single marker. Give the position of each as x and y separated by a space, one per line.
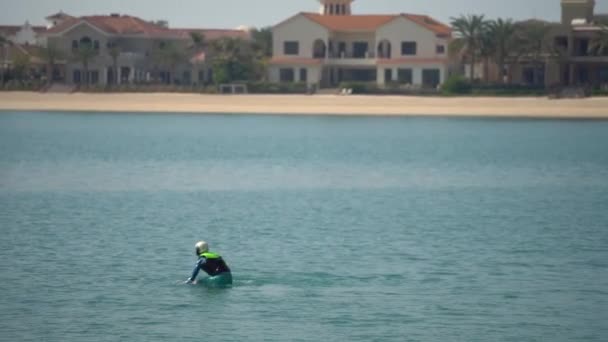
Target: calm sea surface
337 229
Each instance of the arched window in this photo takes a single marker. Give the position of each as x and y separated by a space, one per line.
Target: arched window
319 49
86 42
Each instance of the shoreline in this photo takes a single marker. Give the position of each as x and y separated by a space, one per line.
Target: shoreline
334 105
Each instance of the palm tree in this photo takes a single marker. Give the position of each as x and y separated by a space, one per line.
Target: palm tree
169 55
599 44
21 66
501 34
84 53
232 60
50 54
262 41
114 50
532 43
4 42
199 44
470 30
262 49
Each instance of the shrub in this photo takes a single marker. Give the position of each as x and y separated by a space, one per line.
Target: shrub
360 87
276 88
456 85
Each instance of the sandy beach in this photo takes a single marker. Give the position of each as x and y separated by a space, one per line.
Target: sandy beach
311 105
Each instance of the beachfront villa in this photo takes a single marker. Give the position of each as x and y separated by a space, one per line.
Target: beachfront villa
333 46
578 65
124 49
567 59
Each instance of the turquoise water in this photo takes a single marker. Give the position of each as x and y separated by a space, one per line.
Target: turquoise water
337 229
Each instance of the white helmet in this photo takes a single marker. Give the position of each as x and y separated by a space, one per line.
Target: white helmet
201 247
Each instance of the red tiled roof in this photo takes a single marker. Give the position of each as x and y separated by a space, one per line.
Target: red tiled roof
11 30
211 34
295 60
15 51
129 25
429 23
115 25
373 22
350 22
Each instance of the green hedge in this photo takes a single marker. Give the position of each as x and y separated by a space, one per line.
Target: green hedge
599 92
509 90
393 88
147 88
277 88
22 86
456 85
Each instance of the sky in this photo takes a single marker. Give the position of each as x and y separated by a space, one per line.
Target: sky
261 13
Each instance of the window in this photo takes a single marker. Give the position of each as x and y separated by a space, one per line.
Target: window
583 47
342 49
430 78
561 42
291 48
360 49
74 44
94 77
440 49
96 45
86 42
76 76
186 77
404 76
388 75
408 48
528 75
286 75
303 75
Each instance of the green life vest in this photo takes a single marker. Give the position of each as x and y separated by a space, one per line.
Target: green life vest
214 264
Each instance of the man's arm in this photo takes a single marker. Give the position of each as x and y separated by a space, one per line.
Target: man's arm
197 268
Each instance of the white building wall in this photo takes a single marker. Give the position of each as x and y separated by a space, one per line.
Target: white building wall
25 35
300 29
402 29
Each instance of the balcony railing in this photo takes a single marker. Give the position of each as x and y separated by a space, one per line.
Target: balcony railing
344 55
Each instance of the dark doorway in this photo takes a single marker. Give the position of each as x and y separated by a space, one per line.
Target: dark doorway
431 78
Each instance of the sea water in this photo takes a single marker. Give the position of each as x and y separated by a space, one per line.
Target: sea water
336 228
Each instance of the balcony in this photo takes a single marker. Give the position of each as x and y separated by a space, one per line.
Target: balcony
351 59
130 57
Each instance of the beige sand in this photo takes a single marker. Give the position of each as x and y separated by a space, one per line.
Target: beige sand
304 104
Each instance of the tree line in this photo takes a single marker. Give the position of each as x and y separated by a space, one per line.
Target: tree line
505 42
231 59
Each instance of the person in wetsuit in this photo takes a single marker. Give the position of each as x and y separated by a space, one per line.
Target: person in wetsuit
213 264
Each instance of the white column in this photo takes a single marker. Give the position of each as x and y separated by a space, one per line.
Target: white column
443 73
103 78
417 76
